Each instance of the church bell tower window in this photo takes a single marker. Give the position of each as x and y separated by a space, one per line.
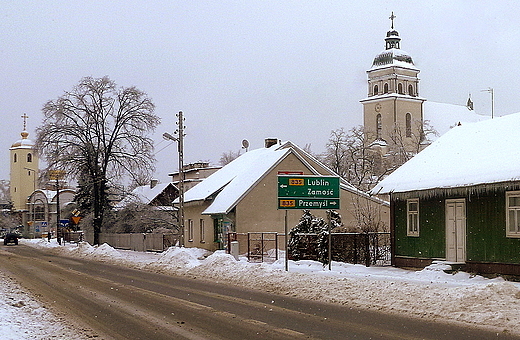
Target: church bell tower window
379 126
386 88
376 90
408 125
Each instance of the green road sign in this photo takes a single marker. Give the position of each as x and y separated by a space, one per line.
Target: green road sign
308 186
308 203
308 192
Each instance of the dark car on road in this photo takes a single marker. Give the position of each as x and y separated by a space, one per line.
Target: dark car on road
11 238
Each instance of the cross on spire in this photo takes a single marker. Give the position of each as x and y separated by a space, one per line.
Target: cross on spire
392 17
25 116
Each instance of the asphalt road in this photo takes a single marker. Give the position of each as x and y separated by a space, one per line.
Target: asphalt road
114 302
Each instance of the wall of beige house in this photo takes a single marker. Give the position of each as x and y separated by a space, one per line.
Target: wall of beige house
193 213
257 211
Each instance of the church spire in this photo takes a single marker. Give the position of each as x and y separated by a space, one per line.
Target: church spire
24 133
392 37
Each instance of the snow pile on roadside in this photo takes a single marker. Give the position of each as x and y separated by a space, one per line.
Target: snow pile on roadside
23 317
429 293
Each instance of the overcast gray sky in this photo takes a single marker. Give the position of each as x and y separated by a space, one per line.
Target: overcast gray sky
250 69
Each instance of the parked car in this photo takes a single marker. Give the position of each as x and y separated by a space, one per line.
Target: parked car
11 238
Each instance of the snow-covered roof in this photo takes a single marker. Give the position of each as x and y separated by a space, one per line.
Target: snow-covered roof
393 57
235 179
470 154
143 194
443 117
231 183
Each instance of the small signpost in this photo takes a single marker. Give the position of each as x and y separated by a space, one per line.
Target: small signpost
307 192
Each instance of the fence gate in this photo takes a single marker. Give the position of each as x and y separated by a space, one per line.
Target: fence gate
261 246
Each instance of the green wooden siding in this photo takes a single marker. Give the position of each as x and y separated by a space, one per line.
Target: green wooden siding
486 239
431 241
486 230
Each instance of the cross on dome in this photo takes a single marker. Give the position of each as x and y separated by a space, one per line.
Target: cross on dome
25 116
392 17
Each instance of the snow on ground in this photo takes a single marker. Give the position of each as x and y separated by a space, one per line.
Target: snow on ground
430 293
23 317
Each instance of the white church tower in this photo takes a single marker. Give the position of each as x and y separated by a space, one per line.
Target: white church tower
24 169
393 106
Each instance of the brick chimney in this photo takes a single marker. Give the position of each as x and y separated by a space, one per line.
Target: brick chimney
270 142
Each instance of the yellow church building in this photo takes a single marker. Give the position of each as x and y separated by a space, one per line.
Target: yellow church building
24 164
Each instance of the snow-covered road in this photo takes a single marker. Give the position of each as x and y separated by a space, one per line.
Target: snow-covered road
430 293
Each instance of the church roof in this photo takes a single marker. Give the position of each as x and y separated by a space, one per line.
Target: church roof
393 57
443 117
23 143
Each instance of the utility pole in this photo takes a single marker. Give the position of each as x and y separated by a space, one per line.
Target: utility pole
180 144
180 147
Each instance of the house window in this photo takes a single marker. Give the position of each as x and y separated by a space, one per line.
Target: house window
202 229
412 212
513 214
408 125
190 230
379 126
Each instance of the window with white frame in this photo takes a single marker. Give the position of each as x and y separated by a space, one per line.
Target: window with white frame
202 231
190 230
412 213
513 214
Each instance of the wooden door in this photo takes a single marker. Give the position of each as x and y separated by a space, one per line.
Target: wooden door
456 230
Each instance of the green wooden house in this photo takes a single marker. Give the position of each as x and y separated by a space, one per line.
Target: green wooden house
459 200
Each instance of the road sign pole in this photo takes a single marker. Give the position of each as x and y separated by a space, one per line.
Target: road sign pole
330 241
286 243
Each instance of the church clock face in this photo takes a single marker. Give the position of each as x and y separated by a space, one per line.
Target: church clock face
378 107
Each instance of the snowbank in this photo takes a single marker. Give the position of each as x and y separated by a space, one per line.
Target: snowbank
430 293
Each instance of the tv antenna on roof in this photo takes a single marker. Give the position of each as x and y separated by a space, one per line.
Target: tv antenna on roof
245 144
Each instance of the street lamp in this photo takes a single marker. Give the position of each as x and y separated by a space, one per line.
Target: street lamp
490 90
180 143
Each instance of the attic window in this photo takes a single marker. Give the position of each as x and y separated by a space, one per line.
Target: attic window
412 212
513 214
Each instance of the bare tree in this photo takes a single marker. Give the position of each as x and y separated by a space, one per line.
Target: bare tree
228 157
140 218
97 133
363 161
351 156
5 195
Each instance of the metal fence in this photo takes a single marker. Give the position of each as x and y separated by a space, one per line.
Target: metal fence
139 241
358 248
